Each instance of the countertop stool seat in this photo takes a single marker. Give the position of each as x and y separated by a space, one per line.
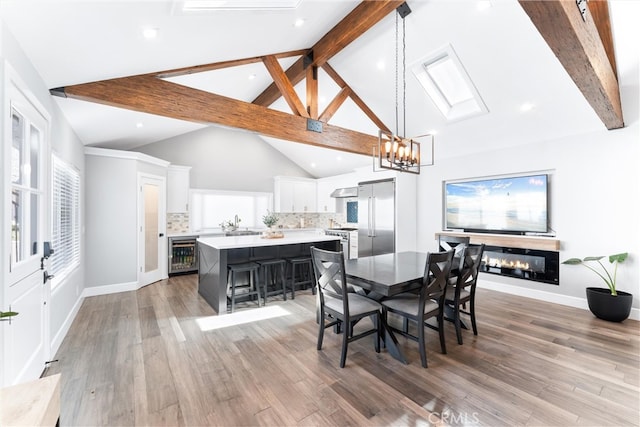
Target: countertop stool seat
270 270
302 266
248 290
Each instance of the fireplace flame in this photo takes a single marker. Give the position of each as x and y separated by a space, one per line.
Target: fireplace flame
505 263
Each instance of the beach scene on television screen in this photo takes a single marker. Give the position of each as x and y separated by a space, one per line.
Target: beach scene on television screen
514 203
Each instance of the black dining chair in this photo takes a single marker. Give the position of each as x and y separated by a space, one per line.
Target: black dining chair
462 288
457 243
337 305
428 303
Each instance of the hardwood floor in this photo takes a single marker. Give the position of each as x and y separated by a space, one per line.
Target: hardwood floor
157 357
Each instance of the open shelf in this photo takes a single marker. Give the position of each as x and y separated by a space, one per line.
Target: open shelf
507 240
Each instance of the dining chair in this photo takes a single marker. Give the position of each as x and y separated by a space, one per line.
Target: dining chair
462 288
457 243
337 305
428 303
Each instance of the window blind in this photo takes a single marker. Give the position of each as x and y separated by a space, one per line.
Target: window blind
65 235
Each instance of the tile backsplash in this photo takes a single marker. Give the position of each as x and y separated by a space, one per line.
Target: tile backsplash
177 223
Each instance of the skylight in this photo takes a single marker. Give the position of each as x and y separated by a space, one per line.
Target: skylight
204 5
445 80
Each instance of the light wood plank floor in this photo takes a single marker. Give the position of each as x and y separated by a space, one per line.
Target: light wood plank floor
158 357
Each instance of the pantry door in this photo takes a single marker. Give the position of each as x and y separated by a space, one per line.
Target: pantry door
152 242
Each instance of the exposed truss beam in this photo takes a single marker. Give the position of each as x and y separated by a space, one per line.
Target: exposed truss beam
579 47
284 85
362 18
150 94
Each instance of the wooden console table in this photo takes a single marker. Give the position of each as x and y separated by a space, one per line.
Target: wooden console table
34 403
506 240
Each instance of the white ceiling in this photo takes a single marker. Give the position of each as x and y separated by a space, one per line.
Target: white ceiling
77 41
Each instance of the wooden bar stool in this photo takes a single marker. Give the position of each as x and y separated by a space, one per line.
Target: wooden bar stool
303 267
271 269
253 288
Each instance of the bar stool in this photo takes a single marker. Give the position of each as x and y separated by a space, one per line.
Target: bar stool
253 286
271 268
303 265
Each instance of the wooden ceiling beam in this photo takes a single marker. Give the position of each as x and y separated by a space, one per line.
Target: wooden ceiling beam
355 98
335 104
284 85
312 92
357 22
149 94
580 49
225 64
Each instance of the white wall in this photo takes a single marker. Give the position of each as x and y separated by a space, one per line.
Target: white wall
66 295
225 159
595 195
112 218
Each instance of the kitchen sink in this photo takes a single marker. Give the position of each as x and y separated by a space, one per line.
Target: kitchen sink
241 233
343 228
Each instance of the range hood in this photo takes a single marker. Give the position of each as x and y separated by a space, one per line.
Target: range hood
345 192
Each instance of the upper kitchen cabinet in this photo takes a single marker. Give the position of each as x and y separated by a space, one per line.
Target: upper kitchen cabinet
178 189
293 194
326 203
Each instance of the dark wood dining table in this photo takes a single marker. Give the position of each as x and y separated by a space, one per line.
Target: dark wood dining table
387 275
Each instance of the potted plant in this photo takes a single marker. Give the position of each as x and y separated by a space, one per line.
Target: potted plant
270 219
606 303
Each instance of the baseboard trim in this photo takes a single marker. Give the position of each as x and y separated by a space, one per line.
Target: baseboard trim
545 296
66 325
93 291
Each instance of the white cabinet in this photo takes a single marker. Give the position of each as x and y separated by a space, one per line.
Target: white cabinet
178 189
293 194
325 202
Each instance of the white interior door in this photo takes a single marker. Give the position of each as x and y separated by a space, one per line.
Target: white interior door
152 260
25 346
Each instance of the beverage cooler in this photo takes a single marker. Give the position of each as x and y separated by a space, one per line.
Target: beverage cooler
183 256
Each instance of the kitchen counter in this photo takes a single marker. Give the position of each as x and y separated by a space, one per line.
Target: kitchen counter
215 253
234 242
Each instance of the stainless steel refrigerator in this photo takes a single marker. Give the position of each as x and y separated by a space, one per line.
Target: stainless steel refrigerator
376 217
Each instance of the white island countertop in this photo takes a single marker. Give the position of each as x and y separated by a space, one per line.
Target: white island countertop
234 242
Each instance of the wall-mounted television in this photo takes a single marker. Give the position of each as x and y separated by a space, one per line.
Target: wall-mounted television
514 204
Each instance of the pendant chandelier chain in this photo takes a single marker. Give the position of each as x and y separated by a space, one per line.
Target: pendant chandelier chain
404 80
397 57
404 77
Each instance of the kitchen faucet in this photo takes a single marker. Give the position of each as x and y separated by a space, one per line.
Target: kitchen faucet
236 220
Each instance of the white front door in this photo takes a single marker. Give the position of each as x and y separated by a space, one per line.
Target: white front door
152 259
25 340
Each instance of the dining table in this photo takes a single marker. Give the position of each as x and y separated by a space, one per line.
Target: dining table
386 275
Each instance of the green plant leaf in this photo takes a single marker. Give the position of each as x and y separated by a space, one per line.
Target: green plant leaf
618 257
572 261
593 258
8 314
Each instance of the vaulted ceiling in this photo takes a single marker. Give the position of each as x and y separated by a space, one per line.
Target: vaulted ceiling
537 52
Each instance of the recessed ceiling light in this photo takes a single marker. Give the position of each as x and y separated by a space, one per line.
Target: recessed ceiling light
139 125
483 5
203 5
339 158
299 22
252 76
150 33
380 65
313 165
527 106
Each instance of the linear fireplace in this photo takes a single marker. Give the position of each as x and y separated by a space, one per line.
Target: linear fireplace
527 264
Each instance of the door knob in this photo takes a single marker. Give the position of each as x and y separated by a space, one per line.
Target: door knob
161 235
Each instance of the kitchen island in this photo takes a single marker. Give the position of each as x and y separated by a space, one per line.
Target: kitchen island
215 253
